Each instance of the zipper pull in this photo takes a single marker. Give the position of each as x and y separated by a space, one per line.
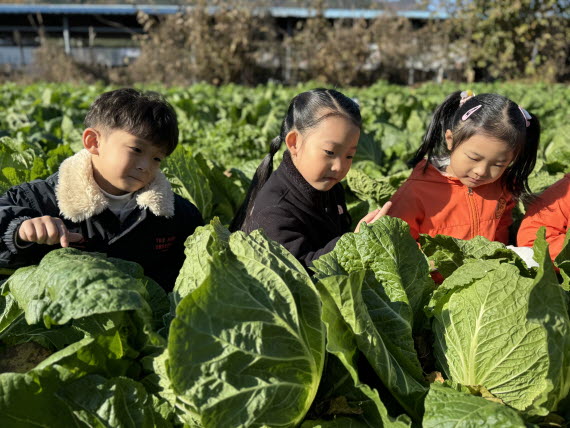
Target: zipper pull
470 191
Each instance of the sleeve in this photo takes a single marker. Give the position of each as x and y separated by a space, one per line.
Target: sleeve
15 208
280 226
502 233
408 207
551 209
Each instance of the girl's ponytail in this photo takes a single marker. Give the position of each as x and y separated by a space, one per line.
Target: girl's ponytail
441 121
516 176
260 177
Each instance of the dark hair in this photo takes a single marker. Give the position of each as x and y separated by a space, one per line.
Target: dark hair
498 117
147 115
305 112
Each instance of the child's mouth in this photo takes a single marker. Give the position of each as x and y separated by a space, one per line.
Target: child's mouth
476 180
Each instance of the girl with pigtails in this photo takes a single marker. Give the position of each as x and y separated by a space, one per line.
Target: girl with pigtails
301 205
471 168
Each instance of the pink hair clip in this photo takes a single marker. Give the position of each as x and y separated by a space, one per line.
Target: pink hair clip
470 112
526 115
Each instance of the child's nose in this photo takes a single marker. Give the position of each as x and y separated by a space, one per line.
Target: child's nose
337 165
481 170
142 165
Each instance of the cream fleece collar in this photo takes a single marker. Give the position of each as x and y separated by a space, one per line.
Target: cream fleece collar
80 198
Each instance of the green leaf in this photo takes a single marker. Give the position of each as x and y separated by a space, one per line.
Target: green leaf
386 248
54 338
69 284
200 247
158 302
379 331
483 335
28 293
9 312
563 260
506 332
368 149
101 354
447 407
18 163
342 343
247 346
367 188
340 422
471 271
443 251
448 253
188 180
56 156
28 399
227 196
117 402
548 306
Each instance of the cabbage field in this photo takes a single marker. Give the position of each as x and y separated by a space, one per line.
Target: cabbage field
249 339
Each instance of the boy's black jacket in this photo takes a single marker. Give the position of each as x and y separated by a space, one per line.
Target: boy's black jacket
154 241
306 221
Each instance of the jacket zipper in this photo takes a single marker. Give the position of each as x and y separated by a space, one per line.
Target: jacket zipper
474 215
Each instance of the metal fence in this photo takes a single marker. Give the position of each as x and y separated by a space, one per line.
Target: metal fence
21 56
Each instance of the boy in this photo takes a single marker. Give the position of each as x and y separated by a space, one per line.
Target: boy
110 197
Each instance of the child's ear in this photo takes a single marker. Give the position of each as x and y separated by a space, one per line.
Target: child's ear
293 141
91 140
449 139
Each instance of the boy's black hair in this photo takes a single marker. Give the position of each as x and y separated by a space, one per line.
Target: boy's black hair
305 112
498 117
146 115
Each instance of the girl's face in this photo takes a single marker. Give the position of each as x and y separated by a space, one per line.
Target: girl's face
323 155
478 160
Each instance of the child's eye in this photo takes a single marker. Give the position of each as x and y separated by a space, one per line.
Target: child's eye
136 150
473 159
329 153
158 160
349 157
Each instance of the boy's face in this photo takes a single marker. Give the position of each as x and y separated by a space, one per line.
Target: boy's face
122 162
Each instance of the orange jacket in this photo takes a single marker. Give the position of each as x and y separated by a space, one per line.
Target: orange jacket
550 209
433 203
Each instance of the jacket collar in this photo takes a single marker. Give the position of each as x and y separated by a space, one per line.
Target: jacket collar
79 197
432 173
300 184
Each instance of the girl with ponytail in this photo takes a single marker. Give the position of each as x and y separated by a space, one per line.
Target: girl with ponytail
471 168
301 205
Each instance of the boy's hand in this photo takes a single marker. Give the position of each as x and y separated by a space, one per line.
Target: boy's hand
371 217
47 230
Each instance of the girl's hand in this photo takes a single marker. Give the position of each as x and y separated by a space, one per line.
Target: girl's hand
47 230
371 217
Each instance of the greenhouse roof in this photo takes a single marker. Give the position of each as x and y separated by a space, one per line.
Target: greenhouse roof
281 11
